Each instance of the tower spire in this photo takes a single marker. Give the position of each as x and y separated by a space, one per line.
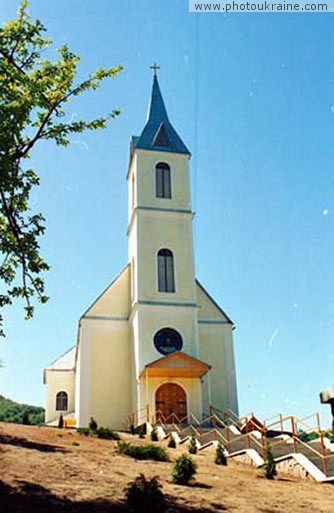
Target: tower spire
158 133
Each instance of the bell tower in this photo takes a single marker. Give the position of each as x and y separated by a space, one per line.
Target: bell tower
163 287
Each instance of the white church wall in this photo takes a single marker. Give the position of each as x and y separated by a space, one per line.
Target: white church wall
150 319
82 376
109 373
145 183
58 381
171 231
229 358
132 185
207 309
114 301
216 349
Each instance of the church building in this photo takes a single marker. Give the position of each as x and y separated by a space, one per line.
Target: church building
154 343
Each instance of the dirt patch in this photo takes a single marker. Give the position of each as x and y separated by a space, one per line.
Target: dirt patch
44 470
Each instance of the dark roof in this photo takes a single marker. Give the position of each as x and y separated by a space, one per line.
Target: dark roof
158 133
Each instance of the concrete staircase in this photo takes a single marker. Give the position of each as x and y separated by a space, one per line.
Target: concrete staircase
246 440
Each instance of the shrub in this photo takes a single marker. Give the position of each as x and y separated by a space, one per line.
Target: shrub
83 431
154 435
61 421
220 458
142 431
329 435
107 434
192 447
171 442
75 442
92 424
132 430
183 470
142 452
25 418
145 495
269 466
307 437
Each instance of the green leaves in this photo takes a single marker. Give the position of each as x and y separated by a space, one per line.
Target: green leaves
34 94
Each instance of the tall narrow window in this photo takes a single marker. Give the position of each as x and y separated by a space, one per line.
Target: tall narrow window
166 281
61 401
163 187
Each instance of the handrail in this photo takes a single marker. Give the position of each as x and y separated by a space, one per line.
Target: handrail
272 417
312 415
194 426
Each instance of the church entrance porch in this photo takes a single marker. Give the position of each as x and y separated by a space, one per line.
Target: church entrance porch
171 388
170 403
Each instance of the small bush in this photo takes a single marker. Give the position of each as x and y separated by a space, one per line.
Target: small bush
183 470
220 458
75 442
107 434
92 424
132 430
145 495
269 466
83 431
61 421
329 435
171 442
142 452
192 447
154 435
60 434
142 431
307 437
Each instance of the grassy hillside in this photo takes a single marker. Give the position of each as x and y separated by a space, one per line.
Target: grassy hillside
10 411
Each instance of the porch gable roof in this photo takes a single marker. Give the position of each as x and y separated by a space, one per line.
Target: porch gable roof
177 364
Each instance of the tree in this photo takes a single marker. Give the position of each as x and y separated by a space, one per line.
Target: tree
192 447
34 93
220 456
269 466
183 470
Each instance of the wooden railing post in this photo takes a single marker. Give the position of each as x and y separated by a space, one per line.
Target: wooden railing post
264 449
294 433
228 439
323 455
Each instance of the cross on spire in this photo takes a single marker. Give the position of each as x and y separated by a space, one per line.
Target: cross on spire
155 67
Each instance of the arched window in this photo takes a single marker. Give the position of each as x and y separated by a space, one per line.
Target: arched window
163 187
166 282
62 401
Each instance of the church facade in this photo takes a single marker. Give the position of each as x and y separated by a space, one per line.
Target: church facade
154 341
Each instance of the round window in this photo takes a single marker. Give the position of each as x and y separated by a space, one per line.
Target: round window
167 341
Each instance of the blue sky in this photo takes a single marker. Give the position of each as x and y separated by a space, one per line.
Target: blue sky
252 96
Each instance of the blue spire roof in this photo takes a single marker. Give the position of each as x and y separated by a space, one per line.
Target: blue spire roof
158 133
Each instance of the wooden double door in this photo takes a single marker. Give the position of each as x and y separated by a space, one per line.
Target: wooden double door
170 403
